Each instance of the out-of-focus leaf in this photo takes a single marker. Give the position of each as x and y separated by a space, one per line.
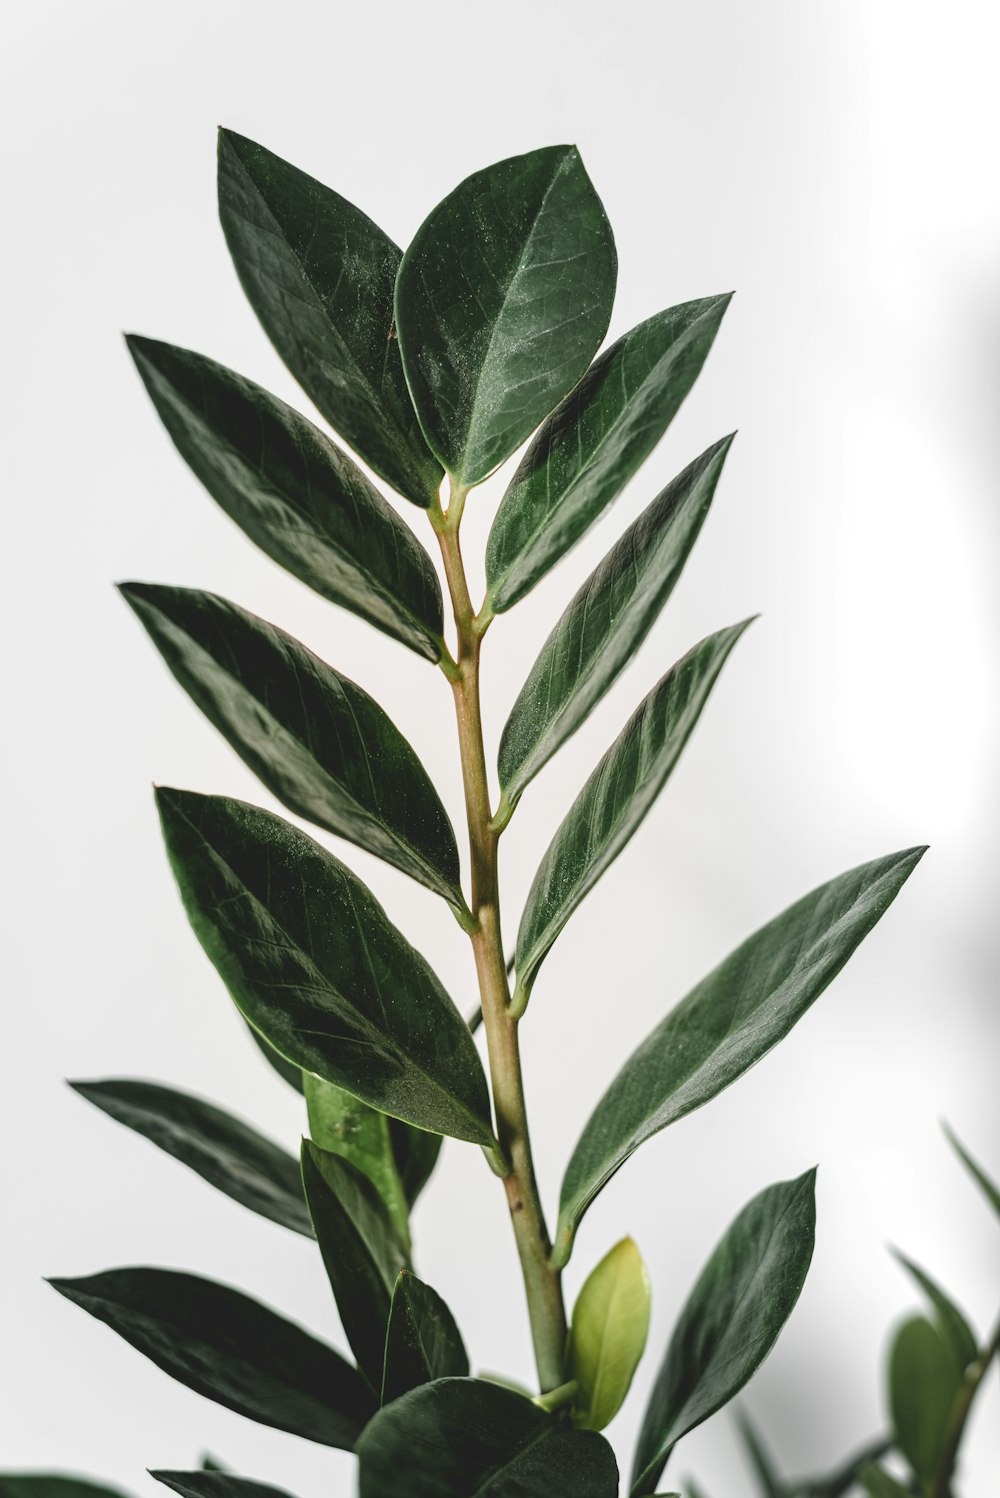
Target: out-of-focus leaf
986 1185
951 1322
924 1380
344 1125
592 444
216 1484
727 1023
53 1485
502 299
313 962
320 276
839 1482
422 1341
877 1483
771 1485
608 1334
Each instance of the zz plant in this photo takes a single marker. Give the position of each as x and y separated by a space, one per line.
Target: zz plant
435 367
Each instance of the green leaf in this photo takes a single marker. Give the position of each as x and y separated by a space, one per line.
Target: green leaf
608 1334
951 1322
416 1154
501 301
314 963
731 1320
224 1151
988 1187
318 742
924 1380
460 1436
362 1251
846 1475
422 1341
224 1345
52 1485
607 621
216 1484
771 1485
320 276
877 1483
344 1125
588 449
285 1070
295 494
614 801
727 1023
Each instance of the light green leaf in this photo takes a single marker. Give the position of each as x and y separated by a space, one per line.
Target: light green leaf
924 1380
320 276
951 1322
313 962
615 800
607 621
295 494
318 742
593 443
460 1436
344 1125
362 1252
223 1150
501 302
731 1320
422 1341
727 1023
608 1334
986 1185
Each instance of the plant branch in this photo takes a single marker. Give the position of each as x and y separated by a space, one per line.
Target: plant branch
974 1376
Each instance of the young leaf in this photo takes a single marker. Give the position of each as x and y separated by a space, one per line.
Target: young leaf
52 1485
416 1153
422 1342
951 1322
223 1150
295 494
878 1483
224 1345
320 276
607 621
362 1252
344 1125
614 801
216 1484
608 1334
462 1435
986 1185
727 1023
318 742
731 1320
313 962
924 1380
588 449
501 302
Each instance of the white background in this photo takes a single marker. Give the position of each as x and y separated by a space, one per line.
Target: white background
836 163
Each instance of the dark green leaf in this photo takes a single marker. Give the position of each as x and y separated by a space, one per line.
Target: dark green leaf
614 801
317 741
313 962
878 1484
362 1251
844 1478
988 1187
295 494
607 621
460 1436
52 1485
216 1484
416 1154
727 1023
924 1380
501 301
285 1070
588 449
224 1151
320 276
209 1464
951 1322
731 1320
422 1342
608 1334
224 1345
770 1482
344 1125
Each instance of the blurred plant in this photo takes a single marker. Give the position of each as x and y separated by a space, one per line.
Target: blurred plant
435 367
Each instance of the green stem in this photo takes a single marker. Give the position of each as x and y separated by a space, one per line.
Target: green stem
974 1376
542 1284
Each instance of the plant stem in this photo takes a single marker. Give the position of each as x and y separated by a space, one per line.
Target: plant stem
542 1284
974 1375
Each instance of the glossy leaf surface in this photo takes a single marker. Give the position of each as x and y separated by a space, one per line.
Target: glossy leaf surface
727 1023
284 1069
461 1436
608 1334
216 1484
317 741
593 443
294 493
985 1183
731 1319
422 1341
362 1251
313 962
924 1380
501 302
344 1125
320 276
615 800
607 621
951 1322
224 1345
223 1150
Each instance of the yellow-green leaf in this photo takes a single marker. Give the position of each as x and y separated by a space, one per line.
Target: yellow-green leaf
608 1335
